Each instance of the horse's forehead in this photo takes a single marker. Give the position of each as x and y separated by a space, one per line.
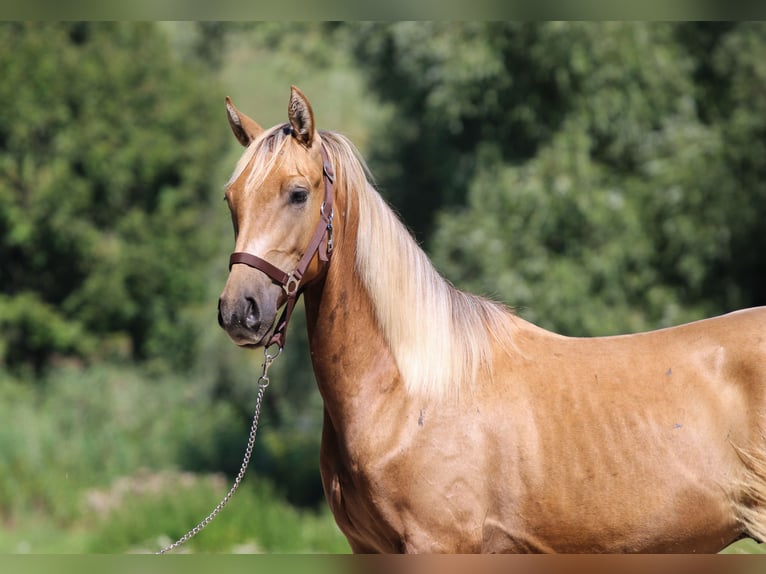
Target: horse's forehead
262 169
292 159
301 158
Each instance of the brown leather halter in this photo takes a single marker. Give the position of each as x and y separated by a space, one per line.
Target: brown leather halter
291 282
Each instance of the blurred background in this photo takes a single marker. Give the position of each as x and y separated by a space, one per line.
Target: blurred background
600 178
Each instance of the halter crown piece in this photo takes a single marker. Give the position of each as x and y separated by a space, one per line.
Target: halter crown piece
291 282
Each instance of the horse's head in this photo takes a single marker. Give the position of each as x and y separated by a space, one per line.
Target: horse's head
277 200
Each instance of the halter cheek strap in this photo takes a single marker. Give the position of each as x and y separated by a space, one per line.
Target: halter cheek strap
291 282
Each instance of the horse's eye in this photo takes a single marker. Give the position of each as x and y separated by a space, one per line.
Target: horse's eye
298 196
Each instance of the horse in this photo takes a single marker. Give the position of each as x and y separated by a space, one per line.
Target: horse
451 424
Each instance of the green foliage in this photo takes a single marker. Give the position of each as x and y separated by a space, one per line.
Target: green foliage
601 177
152 511
35 330
114 422
106 145
86 455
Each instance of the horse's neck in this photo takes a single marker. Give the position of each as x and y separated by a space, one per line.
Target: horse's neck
353 365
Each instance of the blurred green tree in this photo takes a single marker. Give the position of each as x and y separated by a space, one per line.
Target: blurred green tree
601 177
106 147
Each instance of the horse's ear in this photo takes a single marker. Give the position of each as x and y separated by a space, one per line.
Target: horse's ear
245 129
301 117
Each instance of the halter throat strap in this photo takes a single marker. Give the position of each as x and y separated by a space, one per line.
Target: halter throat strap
292 282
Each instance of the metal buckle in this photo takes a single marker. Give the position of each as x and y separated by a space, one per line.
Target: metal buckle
291 285
327 171
329 226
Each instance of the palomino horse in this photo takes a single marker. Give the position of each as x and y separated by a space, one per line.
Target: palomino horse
453 425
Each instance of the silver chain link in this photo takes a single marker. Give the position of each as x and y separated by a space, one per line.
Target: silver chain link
263 383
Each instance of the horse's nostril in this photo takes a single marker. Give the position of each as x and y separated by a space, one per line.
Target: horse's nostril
220 317
252 316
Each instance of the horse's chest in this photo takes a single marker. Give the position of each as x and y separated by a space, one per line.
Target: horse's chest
406 503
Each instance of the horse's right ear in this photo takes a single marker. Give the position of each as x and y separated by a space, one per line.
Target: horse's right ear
245 129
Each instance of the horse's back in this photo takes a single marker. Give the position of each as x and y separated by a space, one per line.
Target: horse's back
711 353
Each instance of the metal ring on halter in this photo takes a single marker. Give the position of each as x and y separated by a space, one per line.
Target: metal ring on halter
268 357
291 285
329 225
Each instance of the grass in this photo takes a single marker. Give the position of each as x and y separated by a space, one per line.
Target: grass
144 513
90 464
256 520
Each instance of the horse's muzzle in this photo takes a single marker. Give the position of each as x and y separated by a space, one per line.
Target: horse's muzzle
242 320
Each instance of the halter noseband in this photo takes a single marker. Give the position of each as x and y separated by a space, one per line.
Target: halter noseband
291 282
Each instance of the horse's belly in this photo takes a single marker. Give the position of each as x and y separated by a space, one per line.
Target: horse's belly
684 519
501 539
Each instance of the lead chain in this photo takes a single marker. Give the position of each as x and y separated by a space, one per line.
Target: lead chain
263 383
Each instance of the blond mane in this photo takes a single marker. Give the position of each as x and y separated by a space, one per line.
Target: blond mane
440 337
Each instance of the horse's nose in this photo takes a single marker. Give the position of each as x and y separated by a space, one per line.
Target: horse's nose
252 315
240 317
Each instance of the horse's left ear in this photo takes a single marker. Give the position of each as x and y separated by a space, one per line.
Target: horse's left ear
245 129
301 117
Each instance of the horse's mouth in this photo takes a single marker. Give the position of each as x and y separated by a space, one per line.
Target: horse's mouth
251 345
253 339
246 338
251 342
